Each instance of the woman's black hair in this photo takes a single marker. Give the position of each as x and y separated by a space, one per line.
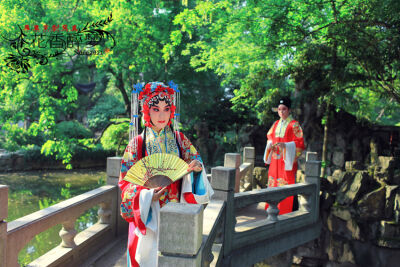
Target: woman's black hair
144 142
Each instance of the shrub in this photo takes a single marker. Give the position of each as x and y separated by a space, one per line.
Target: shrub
116 136
107 107
13 137
71 129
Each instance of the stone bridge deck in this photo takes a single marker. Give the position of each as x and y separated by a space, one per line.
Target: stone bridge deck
116 255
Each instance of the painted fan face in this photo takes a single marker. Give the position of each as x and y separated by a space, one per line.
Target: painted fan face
160 114
157 170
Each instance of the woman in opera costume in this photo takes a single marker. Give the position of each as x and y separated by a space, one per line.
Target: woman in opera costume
140 206
285 144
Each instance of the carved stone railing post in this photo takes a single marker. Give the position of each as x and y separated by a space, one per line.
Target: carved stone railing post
223 183
397 208
3 224
180 234
105 213
68 233
232 160
305 202
273 211
313 173
207 261
248 157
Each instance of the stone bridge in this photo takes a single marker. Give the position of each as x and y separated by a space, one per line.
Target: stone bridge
232 230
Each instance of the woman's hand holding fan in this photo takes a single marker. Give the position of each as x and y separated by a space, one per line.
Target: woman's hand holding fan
195 165
158 192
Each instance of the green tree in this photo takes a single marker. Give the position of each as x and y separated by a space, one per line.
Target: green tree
45 95
329 47
334 51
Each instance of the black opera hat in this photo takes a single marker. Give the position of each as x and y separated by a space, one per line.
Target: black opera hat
285 101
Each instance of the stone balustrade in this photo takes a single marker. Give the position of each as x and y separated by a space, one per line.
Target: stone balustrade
21 231
75 248
248 243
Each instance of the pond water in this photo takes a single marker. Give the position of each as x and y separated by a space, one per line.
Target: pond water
35 190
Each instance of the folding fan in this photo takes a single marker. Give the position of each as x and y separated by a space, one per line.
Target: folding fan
156 170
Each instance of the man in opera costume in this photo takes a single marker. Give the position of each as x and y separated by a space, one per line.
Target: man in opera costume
285 144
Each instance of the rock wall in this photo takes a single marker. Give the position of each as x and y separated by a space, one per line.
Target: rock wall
359 209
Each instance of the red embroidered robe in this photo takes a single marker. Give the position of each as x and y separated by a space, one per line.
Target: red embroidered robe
132 196
291 134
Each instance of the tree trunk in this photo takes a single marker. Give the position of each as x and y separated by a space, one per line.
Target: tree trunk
325 143
120 85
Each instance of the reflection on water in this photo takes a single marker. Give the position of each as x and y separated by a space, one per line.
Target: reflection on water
34 190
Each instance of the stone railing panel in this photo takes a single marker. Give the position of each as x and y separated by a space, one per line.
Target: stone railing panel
251 233
22 230
105 213
88 243
272 194
212 224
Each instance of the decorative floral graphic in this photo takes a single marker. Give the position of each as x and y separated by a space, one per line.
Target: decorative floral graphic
32 48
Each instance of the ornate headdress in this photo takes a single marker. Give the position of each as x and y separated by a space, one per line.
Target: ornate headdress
150 95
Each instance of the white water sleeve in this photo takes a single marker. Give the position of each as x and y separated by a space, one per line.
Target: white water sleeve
147 246
289 155
205 187
267 153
